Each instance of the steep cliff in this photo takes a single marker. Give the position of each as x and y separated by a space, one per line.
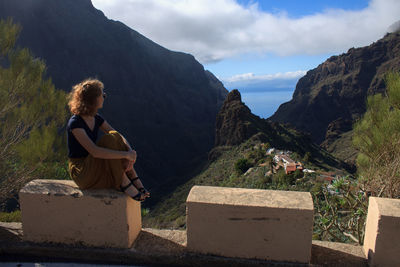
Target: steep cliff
331 97
163 101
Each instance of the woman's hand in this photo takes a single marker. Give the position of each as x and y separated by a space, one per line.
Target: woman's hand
129 166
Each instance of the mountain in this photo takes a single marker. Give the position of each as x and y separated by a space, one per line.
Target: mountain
330 98
164 102
241 135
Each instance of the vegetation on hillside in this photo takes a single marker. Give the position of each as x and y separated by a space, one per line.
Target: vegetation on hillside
248 166
32 112
377 137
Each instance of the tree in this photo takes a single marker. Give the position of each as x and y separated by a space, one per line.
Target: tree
377 137
32 112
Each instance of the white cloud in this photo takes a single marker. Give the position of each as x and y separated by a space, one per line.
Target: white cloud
249 82
213 30
248 77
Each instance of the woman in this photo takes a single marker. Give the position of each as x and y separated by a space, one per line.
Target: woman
108 162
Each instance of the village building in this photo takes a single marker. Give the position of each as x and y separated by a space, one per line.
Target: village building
292 167
327 177
270 151
283 159
287 163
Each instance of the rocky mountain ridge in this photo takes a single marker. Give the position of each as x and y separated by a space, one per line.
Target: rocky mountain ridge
331 97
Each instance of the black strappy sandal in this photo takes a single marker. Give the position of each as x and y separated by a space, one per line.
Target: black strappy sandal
138 196
142 190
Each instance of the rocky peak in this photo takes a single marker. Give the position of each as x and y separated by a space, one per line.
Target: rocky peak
234 95
233 121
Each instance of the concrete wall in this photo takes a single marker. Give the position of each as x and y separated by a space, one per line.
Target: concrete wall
231 222
250 223
382 232
57 211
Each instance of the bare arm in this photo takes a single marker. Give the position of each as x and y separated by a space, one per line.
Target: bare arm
100 152
106 127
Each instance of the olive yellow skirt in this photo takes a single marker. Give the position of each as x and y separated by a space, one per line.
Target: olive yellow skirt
95 173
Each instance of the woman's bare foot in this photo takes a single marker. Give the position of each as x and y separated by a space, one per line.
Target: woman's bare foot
137 182
129 189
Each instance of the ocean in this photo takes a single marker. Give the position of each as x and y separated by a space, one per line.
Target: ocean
265 103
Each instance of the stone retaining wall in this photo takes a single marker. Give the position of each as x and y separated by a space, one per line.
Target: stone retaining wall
231 222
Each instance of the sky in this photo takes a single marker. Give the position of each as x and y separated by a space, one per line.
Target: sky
260 47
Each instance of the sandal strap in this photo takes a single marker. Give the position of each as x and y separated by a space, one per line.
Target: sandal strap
123 188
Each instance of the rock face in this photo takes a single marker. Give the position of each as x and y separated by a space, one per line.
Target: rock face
336 91
164 102
335 129
233 121
236 124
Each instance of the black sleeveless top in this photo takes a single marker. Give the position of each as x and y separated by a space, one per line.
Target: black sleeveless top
75 150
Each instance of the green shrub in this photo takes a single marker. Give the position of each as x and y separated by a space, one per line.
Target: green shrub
145 211
298 174
180 222
14 216
376 137
257 155
242 165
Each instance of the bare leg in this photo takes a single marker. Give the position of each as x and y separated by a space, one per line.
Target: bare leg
136 182
132 174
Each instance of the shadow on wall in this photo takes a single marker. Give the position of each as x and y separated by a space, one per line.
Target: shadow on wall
325 255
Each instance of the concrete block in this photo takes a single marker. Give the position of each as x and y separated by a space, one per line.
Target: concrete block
382 232
58 211
250 223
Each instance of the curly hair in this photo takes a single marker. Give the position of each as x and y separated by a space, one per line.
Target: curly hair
83 98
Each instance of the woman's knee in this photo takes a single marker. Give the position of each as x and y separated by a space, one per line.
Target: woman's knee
112 140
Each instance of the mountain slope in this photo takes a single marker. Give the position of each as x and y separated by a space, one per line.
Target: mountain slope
331 97
164 102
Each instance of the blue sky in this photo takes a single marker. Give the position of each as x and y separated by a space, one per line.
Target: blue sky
259 47
300 8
